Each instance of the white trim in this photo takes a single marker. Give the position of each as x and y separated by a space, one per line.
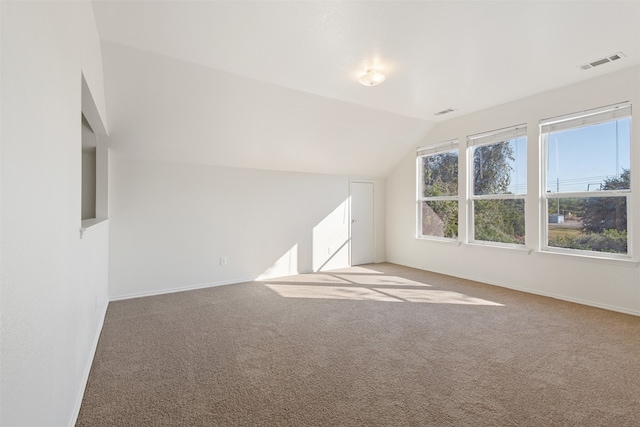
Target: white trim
582 119
182 289
498 135
591 256
90 112
438 199
589 194
441 147
418 232
560 297
499 245
586 118
91 224
87 369
471 237
373 214
499 196
579 253
486 138
417 227
439 239
529 291
426 151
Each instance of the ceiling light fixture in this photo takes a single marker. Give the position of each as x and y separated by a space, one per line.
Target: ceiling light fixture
372 78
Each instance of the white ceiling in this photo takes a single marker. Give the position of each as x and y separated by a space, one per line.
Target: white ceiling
273 85
164 109
467 55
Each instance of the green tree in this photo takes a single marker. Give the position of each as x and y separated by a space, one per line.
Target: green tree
440 174
492 168
496 220
499 220
440 179
608 213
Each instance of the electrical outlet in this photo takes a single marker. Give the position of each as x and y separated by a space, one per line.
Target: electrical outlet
329 251
223 261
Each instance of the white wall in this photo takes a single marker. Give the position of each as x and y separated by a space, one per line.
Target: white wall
54 284
167 109
172 222
607 284
208 164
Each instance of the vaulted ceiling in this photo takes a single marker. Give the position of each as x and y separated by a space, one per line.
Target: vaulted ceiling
465 55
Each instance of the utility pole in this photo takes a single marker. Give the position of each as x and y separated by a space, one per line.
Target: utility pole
617 152
557 191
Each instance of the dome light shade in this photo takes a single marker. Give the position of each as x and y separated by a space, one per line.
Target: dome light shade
371 78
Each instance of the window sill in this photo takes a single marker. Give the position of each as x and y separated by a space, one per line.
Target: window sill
439 240
587 257
518 248
624 262
88 224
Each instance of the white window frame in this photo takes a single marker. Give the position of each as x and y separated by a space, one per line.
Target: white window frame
430 150
478 140
575 121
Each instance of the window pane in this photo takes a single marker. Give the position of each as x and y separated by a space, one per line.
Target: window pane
440 174
499 220
589 158
439 218
500 168
588 223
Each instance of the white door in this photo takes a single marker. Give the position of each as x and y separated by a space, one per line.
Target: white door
362 243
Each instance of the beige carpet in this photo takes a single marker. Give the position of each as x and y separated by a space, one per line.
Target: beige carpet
381 345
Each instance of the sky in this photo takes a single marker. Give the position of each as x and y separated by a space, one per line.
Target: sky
519 172
580 159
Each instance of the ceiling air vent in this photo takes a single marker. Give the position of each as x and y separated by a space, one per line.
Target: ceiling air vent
448 110
608 59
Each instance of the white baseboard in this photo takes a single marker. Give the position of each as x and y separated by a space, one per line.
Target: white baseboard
181 289
87 369
561 297
532 291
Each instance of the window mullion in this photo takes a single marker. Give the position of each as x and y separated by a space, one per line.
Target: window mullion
497 170
594 221
499 196
581 194
437 185
438 198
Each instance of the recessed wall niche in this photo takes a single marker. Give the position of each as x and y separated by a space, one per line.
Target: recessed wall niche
89 145
94 208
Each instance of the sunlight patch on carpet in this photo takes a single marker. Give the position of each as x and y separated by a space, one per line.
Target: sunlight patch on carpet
330 292
437 297
380 280
309 278
377 294
356 270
